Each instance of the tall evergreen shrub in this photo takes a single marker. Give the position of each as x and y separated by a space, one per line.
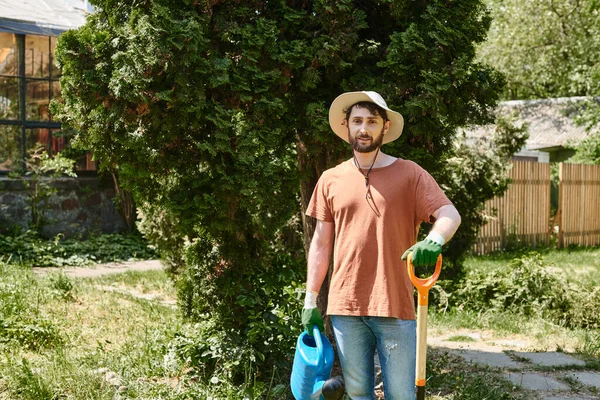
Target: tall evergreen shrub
215 115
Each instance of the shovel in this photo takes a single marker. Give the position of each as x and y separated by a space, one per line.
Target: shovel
422 286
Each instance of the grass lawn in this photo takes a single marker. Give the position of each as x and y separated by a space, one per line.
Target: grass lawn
579 264
86 338
110 337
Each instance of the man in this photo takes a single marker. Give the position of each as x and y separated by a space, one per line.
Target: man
373 205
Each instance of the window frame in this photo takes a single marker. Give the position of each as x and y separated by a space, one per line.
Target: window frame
22 80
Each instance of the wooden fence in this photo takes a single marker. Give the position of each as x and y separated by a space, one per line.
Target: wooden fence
522 214
579 205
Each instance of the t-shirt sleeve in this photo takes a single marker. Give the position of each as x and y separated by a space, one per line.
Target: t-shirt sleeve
430 197
318 207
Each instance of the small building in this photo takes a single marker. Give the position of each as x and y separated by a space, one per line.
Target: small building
29 81
29 77
551 124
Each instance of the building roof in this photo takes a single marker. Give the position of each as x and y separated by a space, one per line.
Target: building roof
42 17
550 122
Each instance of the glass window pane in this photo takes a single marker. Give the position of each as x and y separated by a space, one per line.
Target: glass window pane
9 55
10 147
55 71
59 142
37 135
37 143
9 98
37 56
37 100
56 90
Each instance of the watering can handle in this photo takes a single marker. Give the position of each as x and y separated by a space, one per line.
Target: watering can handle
319 342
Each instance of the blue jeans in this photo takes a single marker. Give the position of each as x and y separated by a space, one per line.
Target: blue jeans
357 338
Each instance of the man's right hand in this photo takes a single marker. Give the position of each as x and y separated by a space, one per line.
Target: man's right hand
310 318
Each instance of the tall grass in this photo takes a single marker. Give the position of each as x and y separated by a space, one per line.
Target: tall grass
549 297
69 338
111 344
63 338
580 264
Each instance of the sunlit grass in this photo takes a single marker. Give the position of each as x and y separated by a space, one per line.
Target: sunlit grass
120 324
101 332
461 338
579 264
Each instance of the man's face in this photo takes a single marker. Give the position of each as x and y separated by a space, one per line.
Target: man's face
365 130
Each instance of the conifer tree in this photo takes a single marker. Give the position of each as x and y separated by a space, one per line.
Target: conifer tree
215 115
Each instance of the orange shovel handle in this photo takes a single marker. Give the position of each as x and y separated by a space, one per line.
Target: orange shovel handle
423 285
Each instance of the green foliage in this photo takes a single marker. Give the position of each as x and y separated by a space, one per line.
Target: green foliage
30 334
261 307
28 384
206 109
20 321
159 227
591 344
545 48
588 149
62 286
476 173
30 249
525 287
584 308
529 287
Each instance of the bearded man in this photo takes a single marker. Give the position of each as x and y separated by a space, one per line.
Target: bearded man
373 204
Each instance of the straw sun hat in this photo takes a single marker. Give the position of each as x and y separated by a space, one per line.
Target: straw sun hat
337 114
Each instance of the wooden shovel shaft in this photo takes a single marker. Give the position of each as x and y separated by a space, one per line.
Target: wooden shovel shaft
421 375
421 345
423 286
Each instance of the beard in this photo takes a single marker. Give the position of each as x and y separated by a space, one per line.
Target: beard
368 147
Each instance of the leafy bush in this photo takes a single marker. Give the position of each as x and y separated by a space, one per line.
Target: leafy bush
532 288
476 173
30 249
526 287
160 228
61 285
33 334
206 107
259 307
584 308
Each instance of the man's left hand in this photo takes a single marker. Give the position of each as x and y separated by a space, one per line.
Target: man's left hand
425 252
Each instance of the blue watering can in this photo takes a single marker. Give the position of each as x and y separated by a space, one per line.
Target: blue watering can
311 371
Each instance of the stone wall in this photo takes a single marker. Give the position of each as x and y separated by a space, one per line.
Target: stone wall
81 206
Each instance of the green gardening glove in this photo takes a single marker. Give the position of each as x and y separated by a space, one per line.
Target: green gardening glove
311 317
425 253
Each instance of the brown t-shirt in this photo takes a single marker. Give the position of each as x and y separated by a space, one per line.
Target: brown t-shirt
371 234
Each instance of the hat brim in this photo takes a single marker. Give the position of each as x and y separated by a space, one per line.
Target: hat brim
337 115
